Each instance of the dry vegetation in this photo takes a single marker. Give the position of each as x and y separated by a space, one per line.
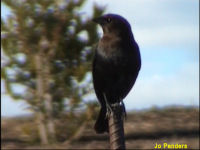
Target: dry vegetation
143 130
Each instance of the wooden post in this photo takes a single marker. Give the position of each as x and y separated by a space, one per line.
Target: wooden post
116 127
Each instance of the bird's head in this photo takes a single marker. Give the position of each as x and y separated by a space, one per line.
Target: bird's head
114 24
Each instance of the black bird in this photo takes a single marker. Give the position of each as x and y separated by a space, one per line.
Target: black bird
116 64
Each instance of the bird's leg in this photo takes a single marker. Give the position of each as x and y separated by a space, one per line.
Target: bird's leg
108 107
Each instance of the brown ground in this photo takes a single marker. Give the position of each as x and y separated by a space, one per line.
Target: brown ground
142 130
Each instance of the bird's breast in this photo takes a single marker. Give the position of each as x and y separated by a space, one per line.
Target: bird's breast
108 47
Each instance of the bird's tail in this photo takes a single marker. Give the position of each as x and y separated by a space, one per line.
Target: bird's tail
101 124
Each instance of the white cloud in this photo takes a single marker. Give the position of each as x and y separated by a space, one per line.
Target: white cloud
180 88
171 36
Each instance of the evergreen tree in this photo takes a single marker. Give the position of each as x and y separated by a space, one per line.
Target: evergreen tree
48 45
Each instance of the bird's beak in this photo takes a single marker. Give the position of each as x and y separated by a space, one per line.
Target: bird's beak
99 20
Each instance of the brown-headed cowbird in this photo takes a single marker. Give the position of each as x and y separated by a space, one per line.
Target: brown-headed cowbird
116 65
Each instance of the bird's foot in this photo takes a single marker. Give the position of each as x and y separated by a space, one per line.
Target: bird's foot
108 107
118 106
107 104
115 106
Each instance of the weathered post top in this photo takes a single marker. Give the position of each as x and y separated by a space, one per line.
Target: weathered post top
116 127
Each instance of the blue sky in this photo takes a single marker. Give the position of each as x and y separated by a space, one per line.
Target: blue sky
167 34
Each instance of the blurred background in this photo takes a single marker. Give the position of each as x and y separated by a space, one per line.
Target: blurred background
47 95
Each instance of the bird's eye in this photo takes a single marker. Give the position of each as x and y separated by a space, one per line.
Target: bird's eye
109 20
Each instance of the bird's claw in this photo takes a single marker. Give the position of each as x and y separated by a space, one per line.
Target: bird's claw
111 107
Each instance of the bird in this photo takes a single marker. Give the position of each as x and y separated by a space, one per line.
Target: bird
116 64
